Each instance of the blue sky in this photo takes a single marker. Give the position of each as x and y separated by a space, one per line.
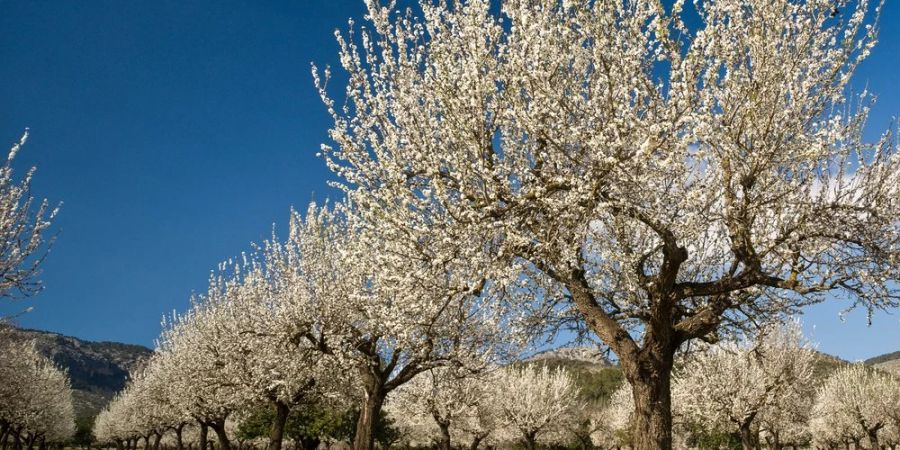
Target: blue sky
176 133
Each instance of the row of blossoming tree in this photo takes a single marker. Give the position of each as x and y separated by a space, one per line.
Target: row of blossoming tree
652 175
761 392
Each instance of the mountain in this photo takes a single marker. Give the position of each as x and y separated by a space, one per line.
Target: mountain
97 369
887 361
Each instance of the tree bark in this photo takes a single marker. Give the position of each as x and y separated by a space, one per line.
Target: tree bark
476 441
368 417
179 442
746 436
530 441
873 438
651 389
219 427
204 436
444 443
276 433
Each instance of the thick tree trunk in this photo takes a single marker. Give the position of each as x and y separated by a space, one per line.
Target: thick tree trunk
219 427
204 436
651 389
276 433
368 417
157 437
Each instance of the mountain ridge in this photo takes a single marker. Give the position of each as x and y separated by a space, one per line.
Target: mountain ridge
97 369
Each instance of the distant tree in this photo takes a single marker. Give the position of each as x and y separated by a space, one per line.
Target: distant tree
855 402
36 407
657 183
731 386
534 403
23 228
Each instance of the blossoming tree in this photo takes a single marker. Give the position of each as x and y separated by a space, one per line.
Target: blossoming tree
731 386
660 182
857 402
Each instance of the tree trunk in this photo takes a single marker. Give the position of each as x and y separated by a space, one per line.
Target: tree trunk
444 443
204 436
276 434
530 441
219 427
310 443
368 417
746 436
476 441
179 442
651 389
873 438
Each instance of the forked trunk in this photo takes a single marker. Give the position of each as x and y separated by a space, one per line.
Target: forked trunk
444 443
276 433
219 427
873 438
530 441
368 417
179 442
476 441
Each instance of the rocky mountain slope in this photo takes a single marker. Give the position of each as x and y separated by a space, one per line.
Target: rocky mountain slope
97 369
887 361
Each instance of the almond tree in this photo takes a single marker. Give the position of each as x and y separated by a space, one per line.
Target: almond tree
197 352
729 386
657 182
255 313
442 403
23 227
857 401
35 397
534 402
385 327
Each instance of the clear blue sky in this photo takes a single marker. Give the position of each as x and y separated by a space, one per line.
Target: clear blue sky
176 133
